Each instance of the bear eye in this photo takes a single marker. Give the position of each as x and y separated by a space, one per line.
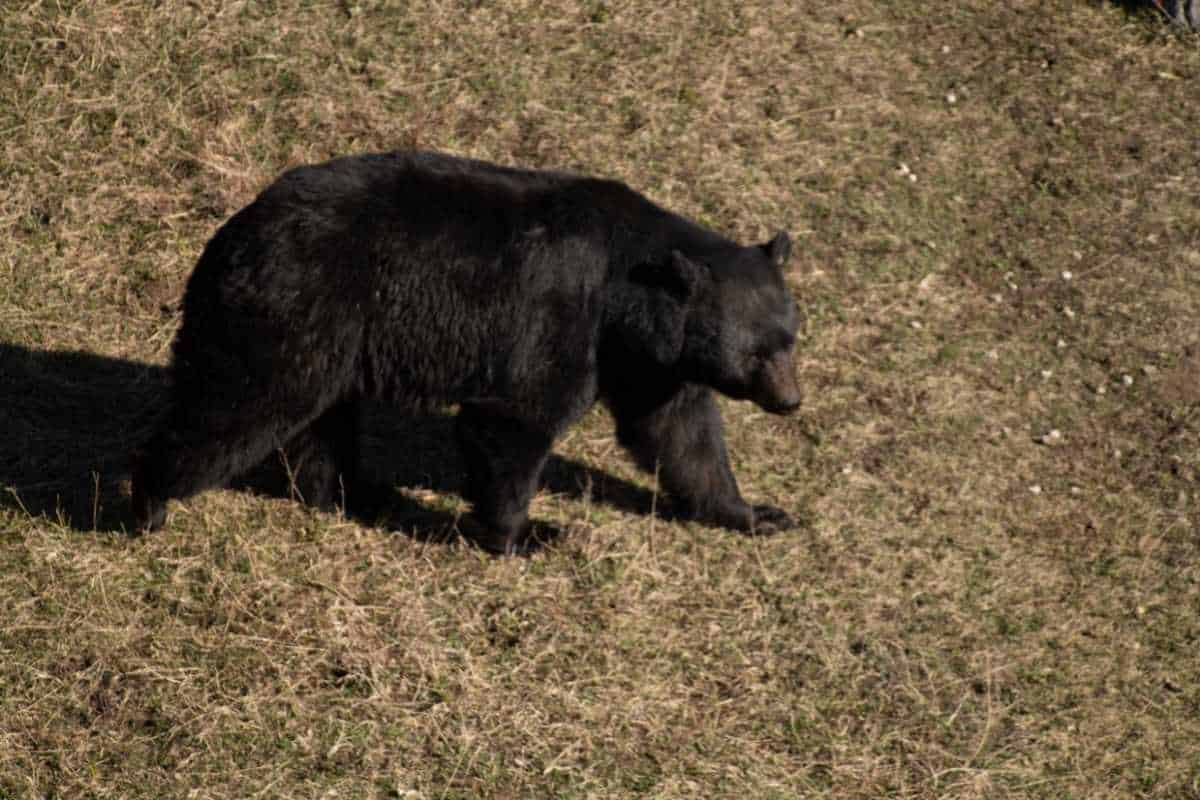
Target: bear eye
780 341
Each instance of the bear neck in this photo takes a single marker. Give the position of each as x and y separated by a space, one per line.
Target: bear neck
642 232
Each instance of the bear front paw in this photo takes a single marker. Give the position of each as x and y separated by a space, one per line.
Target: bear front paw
768 520
525 541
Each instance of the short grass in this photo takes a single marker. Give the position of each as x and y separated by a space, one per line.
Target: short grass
997 220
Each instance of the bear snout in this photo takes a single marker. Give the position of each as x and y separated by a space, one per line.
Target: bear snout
776 390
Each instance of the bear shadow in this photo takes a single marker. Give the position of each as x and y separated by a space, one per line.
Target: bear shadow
69 421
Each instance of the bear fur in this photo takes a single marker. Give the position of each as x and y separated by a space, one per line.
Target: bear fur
425 280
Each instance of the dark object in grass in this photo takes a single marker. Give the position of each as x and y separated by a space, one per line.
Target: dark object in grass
424 280
1182 12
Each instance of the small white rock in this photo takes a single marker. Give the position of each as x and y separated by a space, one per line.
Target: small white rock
1067 275
1127 380
1100 389
1069 312
1047 374
951 98
1053 437
945 49
1060 344
996 298
1035 489
992 355
1149 370
916 325
846 470
1076 490
912 178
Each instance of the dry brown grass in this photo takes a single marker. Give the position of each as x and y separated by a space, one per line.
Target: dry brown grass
968 612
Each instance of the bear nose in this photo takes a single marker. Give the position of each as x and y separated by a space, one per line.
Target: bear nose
778 392
783 404
788 405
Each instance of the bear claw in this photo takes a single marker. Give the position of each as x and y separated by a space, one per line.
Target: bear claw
768 520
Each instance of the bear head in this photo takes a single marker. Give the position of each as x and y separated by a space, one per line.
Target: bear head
741 331
723 318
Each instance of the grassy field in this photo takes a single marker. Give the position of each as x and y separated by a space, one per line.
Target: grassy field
996 589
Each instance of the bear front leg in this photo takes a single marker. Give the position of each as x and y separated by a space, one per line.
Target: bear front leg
679 433
504 458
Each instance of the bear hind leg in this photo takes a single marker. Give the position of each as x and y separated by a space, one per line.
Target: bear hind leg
190 455
320 463
504 458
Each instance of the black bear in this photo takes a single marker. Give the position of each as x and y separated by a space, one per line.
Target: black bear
426 280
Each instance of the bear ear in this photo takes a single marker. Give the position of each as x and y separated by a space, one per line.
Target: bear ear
687 275
779 249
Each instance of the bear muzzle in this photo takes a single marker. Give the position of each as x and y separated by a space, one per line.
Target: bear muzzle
775 388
